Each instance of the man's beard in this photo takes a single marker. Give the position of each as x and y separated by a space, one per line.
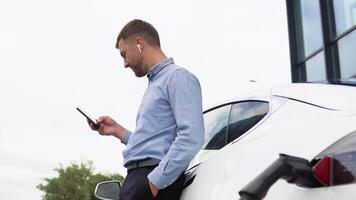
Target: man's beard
139 72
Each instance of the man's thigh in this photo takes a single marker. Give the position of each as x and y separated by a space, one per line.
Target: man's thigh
173 191
136 187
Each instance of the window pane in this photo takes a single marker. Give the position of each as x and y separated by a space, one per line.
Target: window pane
312 38
345 14
347 49
215 123
315 68
244 116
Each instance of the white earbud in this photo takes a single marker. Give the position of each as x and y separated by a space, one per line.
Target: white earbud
139 48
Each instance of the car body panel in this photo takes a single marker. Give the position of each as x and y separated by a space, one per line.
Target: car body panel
300 127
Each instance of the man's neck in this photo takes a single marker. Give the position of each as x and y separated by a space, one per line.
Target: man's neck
156 56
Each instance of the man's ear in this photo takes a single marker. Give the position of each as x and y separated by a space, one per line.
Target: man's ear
138 40
139 44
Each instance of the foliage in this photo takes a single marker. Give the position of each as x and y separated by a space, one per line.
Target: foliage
75 182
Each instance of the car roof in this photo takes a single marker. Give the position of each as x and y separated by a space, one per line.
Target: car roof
258 93
334 97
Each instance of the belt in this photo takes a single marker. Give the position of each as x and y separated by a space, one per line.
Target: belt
142 163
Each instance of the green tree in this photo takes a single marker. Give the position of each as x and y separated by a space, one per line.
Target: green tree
75 182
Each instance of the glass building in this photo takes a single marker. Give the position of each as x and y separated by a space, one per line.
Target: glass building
322 37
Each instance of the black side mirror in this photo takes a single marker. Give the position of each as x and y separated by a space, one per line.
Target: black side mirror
108 190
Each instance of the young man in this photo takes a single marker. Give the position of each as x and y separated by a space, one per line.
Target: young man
169 123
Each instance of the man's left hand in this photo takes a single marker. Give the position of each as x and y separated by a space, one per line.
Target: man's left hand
153 188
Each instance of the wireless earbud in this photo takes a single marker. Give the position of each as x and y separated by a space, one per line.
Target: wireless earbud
139 48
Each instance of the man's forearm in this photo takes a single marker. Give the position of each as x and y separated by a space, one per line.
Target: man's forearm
120 133
178 157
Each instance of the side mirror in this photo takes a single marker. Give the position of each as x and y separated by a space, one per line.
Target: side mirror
108 190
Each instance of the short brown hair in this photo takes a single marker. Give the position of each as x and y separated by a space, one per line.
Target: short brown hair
141 28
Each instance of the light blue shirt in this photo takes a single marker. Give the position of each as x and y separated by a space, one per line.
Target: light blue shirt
169 123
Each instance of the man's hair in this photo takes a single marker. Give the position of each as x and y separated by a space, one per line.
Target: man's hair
139 27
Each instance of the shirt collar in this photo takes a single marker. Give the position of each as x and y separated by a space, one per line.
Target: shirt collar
158 67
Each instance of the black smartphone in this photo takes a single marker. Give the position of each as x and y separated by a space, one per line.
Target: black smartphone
89 117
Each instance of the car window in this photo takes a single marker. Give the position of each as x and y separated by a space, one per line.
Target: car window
215 124
244 115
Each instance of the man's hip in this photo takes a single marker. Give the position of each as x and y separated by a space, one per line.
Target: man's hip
136 186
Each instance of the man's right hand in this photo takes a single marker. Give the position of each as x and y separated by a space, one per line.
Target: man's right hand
108 126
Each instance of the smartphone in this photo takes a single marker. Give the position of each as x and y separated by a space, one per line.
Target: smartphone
89 117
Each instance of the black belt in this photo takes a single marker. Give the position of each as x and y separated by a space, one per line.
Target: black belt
143 163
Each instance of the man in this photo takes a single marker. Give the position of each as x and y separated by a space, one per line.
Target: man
169 123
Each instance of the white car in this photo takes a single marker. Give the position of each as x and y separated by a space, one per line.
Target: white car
293 142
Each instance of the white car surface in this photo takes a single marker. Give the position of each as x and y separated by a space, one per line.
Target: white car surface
301 119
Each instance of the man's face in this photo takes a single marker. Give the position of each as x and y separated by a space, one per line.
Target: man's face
132 57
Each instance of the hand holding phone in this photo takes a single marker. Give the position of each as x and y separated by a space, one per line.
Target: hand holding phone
90 119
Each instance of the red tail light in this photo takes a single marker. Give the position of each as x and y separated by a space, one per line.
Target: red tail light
336 169
322 170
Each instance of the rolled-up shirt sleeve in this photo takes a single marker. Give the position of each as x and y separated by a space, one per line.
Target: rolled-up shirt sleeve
185 98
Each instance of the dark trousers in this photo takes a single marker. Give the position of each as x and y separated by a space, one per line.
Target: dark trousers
136 187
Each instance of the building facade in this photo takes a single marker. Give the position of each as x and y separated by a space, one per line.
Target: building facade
322 37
